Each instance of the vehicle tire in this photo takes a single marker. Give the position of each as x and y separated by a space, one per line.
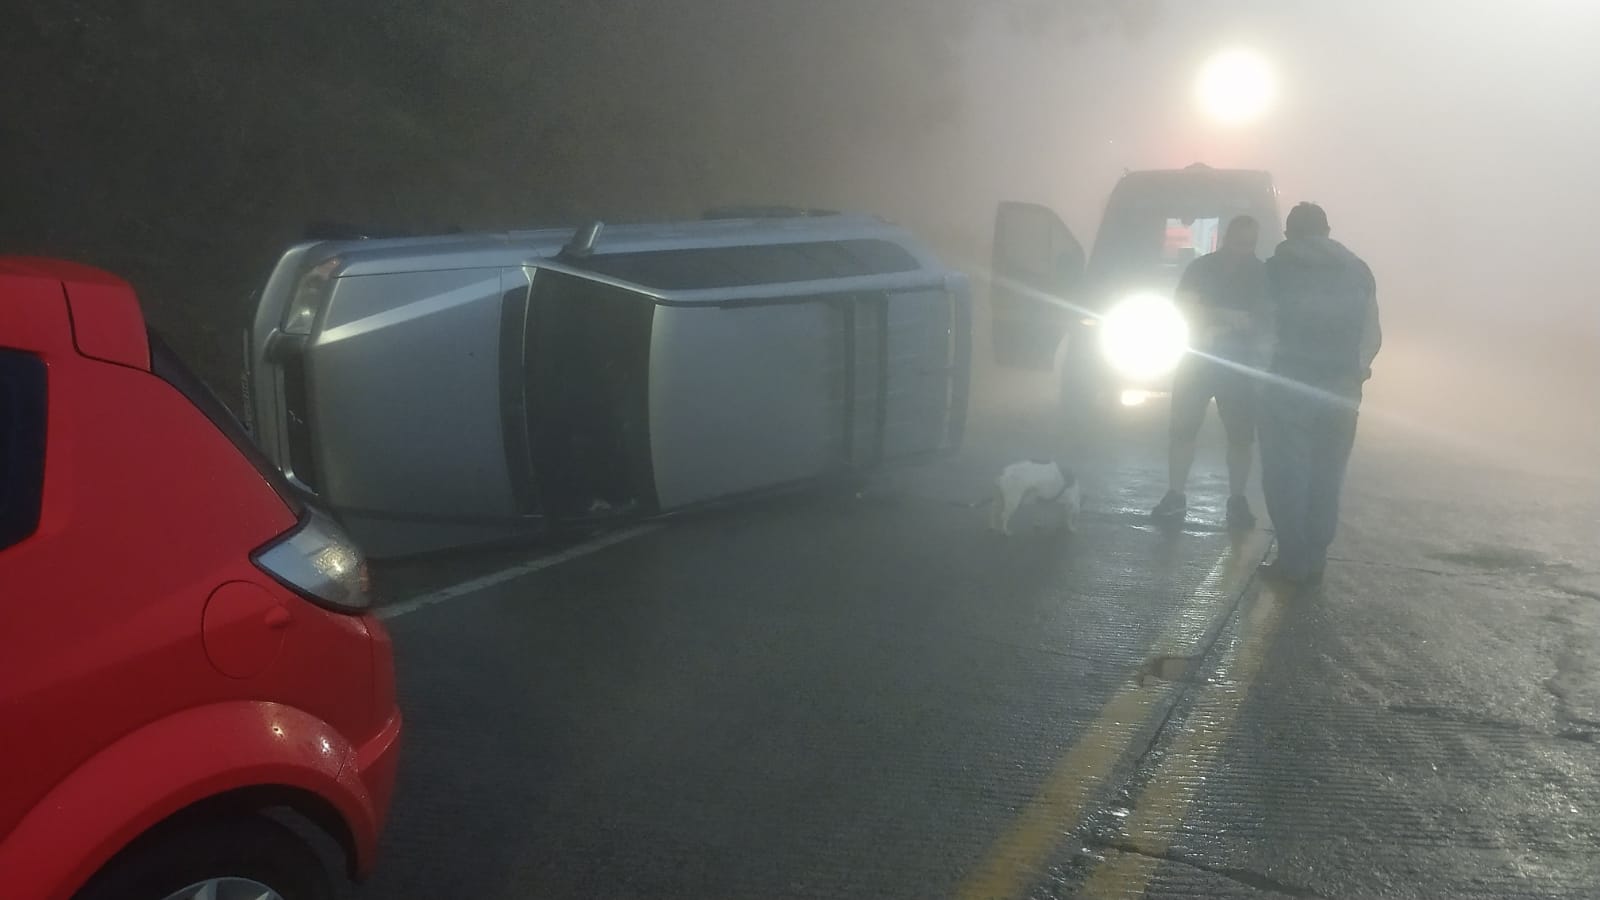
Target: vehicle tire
237 853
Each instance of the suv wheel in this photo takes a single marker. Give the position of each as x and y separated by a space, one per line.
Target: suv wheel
248 858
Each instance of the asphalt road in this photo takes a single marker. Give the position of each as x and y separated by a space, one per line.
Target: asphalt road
867 695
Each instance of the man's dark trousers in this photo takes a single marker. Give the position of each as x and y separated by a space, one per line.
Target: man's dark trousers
1306 434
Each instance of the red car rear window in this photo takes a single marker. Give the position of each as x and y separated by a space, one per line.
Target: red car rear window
22 441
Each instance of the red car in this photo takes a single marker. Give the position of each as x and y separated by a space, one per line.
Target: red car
194 696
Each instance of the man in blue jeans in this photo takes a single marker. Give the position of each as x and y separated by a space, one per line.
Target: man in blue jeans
1325 303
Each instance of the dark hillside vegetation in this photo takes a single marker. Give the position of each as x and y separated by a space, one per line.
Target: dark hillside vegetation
183 144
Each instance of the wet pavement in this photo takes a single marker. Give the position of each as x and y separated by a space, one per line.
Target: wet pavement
1426 726
864 694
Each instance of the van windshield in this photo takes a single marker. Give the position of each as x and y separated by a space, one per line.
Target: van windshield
1153 245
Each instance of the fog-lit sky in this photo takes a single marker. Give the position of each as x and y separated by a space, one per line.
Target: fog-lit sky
1454 145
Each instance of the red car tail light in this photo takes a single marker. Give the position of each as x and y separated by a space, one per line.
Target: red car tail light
319 561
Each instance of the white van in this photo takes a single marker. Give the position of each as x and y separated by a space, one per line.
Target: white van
1107 326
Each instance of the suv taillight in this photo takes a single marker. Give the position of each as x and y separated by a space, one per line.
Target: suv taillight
319 561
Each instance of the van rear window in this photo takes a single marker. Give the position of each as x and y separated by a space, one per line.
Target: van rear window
166 365
23 404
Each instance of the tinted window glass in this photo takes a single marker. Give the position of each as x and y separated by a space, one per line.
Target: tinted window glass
717 267
166 366
22 441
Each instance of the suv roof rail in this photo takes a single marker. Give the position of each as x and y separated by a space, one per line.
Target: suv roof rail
765 212
325 230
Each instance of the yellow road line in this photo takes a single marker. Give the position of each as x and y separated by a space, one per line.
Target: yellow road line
1016 860
1159 810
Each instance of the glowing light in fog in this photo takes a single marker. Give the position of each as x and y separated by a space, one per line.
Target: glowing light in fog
1134 398
1144 336
1236 87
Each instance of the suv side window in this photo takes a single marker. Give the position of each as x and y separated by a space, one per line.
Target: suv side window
22 435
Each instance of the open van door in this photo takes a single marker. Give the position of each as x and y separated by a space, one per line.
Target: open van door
1036 258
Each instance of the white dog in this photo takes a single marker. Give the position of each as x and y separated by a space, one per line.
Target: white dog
1041 482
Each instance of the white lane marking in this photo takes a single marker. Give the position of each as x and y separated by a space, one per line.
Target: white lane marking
473 585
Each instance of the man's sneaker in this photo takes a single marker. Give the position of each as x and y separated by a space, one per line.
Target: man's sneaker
1173 506
1276 572
1240 518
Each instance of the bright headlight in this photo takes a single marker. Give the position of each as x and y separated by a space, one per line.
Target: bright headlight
1144 336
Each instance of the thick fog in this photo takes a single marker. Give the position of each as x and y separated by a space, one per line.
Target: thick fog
1451 143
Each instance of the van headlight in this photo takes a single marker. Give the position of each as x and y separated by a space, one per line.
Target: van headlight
1144 336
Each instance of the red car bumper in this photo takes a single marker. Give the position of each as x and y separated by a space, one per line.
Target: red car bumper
377 762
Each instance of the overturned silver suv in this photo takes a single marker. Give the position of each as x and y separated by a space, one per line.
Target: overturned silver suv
456 389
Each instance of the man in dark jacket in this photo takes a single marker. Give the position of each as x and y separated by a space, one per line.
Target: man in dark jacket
1325 304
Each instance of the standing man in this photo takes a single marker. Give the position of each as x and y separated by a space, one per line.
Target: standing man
1325 300
1224 297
